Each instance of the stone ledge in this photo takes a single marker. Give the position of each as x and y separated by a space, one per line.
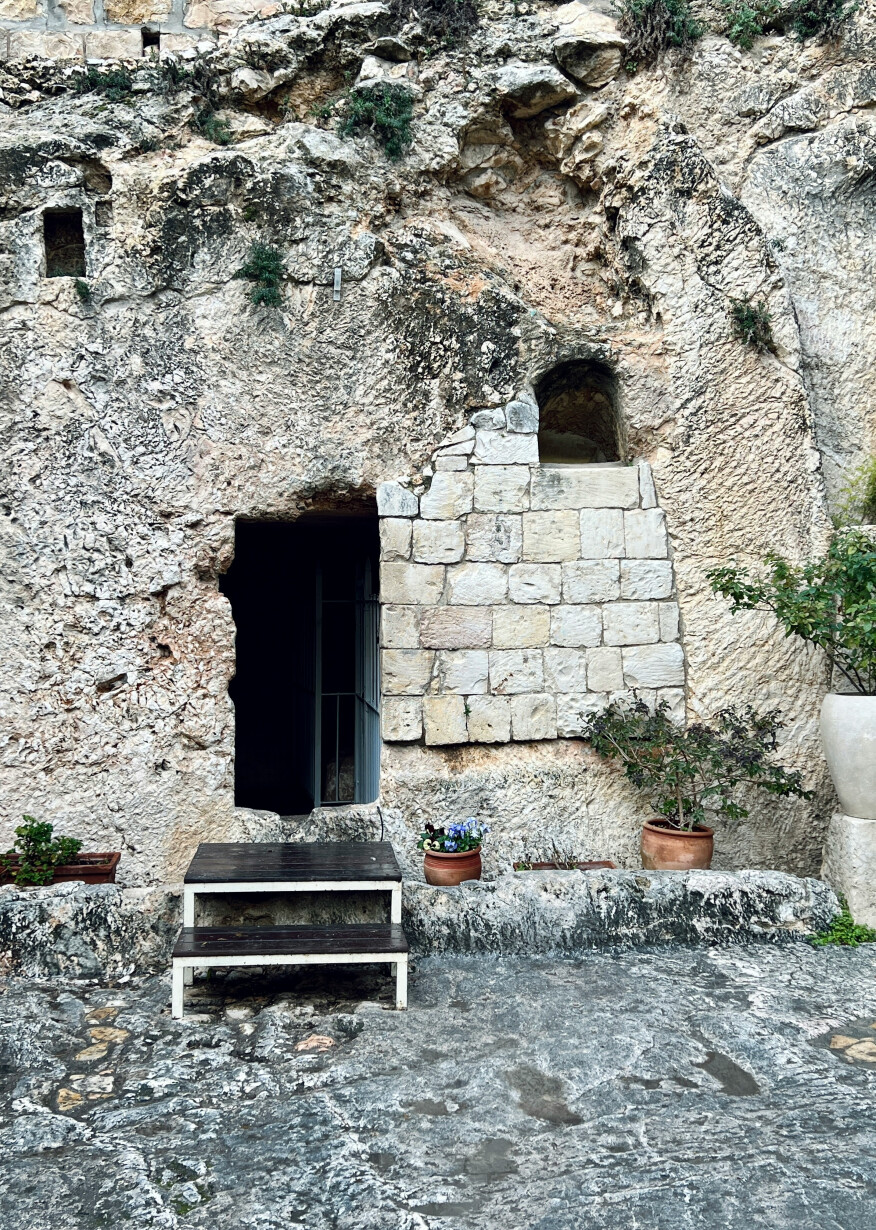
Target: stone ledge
103 931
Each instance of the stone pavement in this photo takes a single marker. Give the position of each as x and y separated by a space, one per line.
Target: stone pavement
666 1088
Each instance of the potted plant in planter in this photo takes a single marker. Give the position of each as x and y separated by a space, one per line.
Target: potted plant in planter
561 860
693 772
39 858
832 604
453 854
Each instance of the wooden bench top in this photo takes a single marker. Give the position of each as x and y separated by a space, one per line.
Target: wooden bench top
289 941
295 861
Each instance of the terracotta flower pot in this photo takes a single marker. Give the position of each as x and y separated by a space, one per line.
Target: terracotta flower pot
91 868
451 869
667 849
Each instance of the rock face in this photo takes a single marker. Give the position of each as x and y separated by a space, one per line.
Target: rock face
100 931
550 210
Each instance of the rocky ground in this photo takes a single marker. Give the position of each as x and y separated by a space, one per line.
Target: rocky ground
675 1087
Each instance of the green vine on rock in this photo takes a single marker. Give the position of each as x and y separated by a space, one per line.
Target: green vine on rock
264 268
753 323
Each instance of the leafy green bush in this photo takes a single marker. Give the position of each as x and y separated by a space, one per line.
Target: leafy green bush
857 504
386 110
831 603
820 18
265 269
209 125
752 323
651 26
83 290
695 769
749 19
115 83
38 853
845 931
447 22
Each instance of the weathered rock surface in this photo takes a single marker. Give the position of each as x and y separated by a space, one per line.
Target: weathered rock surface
527 1092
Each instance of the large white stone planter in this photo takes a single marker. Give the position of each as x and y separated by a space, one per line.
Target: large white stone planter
849 864
848 736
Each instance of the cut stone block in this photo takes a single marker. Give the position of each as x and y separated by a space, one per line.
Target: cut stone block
669 621
602 533
400 627
573 710
405 672
522 416
535 583
645 533
489 719
654 666
675 699
565 670
494 536
586 486
449 627
113 45
575 626
646 578
437 542
551 537
500 448
18 10
591 581
395 538
135 12
533 717
394 500
605 670
493 418
647 491
411 583
463 670
477 584
516 670
401 719
501 488
630 623
49 44
449 497
444 720
521 627
451 463
850 864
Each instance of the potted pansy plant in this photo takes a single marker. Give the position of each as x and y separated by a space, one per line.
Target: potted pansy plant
453 854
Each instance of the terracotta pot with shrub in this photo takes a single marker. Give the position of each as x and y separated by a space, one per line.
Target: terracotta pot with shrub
38 858
692 772
452 854
831 603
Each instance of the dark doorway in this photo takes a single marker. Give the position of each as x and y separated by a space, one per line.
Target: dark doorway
578 419
306 691
64 242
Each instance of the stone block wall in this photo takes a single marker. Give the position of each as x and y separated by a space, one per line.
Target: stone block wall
519 598
112 29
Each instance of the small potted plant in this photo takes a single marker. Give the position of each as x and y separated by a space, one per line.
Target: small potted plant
832 604
561 860
693 772
38 858
453 854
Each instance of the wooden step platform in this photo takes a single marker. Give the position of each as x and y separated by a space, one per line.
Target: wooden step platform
360 944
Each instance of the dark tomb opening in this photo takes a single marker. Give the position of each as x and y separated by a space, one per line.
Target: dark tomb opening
578 419
151 41
64 242
306 692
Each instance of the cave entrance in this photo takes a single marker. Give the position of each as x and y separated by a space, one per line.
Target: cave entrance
306 690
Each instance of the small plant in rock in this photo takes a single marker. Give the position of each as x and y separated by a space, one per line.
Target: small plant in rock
696 770
386 111
211 126
844 930
455 838
752 323
652 26
749 19
83 290
445 22
115 83
39 853
265 269
857 504
821 19
323 110
831 602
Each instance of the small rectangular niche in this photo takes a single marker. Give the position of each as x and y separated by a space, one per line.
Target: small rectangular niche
151 41
64 242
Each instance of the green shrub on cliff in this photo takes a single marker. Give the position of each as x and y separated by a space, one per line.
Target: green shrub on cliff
385 110
652 26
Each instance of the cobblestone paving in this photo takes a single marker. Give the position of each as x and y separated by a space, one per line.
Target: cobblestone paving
670 1088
